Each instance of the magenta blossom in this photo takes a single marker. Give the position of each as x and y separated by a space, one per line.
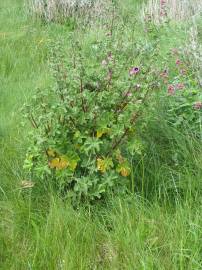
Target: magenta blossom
198 105
171 90
134 70
178 62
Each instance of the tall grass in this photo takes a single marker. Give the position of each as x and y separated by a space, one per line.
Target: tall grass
52 9
133 235
157 227
62 10
193 51
159 10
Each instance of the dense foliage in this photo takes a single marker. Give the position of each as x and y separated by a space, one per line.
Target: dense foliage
85 126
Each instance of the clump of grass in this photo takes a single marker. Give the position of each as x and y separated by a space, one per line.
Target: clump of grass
159 11
60 10
121 235
55 9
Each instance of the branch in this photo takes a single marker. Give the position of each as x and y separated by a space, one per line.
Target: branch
132 121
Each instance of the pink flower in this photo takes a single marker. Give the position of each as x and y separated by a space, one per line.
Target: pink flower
180 86
171 90
198 105
134 70
178 62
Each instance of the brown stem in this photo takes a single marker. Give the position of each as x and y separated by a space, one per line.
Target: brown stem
114 146
73 122
74 62
81 91
112 23
123 104
110 74
132 121
33 122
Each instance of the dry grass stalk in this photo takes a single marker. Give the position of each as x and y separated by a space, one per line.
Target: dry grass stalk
58 10
193 51
178 10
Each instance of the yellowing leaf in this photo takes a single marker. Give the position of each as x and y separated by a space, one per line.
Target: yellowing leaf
59 163
64 163
124 170
51 153
104 164
73 164
54 163
101 132
100 165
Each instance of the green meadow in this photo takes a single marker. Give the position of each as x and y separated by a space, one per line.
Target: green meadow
157 222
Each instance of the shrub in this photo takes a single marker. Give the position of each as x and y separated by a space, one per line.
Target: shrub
84 128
